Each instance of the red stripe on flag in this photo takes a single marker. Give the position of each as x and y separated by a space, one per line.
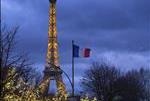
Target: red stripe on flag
87 52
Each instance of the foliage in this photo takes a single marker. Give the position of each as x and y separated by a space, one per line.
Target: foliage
102 80
10 56
98 80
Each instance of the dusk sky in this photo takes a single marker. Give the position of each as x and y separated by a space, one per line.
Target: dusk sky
117 31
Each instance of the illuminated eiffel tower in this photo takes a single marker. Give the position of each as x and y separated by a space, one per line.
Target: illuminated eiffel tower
52 70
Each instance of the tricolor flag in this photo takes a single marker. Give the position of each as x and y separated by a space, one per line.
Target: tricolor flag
80 52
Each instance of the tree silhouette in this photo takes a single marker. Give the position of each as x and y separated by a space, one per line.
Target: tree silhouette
12 59
99 79
106 82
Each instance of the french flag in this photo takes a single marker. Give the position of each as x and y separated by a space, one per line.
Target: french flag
78 52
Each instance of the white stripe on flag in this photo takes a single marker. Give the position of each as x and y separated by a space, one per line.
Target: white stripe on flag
81 52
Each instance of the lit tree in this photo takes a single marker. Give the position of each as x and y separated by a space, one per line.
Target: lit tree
13 65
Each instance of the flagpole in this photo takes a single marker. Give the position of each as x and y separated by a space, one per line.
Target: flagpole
72 69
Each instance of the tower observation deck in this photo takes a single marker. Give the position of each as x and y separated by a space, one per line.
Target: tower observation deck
52 70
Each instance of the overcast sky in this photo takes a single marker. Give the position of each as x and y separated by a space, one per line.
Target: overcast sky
117 31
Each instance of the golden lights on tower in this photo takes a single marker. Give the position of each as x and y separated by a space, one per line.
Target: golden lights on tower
52 69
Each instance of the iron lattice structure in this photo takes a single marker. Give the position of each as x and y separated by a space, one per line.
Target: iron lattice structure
52 70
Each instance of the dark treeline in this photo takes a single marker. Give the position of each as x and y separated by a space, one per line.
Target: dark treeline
108 83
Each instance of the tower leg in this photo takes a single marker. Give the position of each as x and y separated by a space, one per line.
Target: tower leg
43 88
61 87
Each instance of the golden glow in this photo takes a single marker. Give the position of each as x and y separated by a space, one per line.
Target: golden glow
52 58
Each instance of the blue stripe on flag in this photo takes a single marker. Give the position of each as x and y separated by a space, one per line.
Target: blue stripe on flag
75 51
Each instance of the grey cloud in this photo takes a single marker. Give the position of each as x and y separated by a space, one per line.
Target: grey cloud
101 25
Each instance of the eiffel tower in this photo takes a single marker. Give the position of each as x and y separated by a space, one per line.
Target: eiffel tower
52 70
